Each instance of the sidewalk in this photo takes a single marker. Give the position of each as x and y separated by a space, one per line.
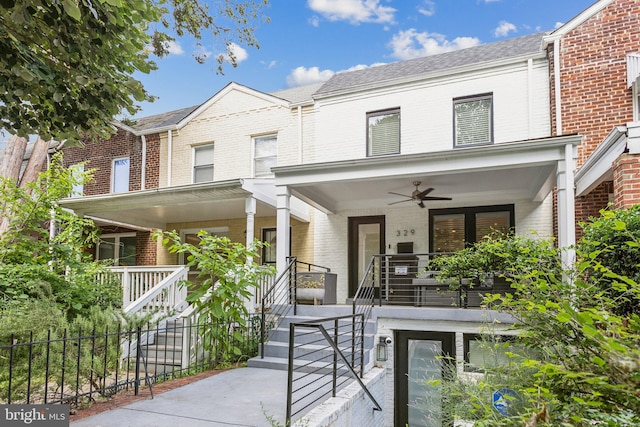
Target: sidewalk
239 397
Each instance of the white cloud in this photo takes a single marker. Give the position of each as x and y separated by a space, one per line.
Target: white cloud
238 53
354 11
362 67
314 21
504 28
412 44
558 25
173 47
304 76
428 8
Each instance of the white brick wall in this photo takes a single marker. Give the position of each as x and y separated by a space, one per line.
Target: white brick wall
351 407
230 123
426 111
412 225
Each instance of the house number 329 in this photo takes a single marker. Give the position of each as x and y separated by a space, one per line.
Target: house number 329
405 232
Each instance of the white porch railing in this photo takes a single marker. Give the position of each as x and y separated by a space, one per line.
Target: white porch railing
152 289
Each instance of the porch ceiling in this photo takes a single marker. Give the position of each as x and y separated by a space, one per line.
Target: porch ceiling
495 174
158 207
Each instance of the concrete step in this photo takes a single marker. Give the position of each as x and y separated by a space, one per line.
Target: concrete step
299 365
306 352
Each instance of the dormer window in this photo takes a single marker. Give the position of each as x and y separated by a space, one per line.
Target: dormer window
383 132
473 120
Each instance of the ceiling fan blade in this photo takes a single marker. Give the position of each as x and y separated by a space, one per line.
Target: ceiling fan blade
401 201
436 198
398 194
423 193
421 204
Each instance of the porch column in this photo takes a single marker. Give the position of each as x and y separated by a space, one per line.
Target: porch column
566 205
250 211
283 223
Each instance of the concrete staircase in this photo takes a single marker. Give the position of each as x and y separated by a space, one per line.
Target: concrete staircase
164 352
310 346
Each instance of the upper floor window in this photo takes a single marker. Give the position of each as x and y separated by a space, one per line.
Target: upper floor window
77 171
473 120
265 155
120 175
203 163
383 132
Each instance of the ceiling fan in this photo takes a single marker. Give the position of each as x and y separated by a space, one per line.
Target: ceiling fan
418 196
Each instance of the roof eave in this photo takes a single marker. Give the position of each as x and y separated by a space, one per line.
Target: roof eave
575 22
431 75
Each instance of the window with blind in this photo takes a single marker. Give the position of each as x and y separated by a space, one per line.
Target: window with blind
203 163
473 120
120 175
454 229
266 155
383 132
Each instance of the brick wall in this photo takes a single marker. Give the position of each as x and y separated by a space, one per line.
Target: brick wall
626 179
99 155
594 91
590 205
145 248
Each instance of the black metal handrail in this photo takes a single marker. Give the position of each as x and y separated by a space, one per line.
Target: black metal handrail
277 302
281 298
317 361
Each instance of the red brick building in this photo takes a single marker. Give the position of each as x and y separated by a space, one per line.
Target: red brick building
594 70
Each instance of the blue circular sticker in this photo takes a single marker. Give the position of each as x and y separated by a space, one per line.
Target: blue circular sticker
505 400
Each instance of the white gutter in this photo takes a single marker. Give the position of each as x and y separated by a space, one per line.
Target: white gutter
300 145
169 155
556 83
120 224
143 167
529 95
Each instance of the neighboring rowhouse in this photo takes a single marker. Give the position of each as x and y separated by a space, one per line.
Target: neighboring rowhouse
595 71
204 167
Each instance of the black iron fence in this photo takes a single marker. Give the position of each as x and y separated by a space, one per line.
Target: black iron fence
73 368
324 356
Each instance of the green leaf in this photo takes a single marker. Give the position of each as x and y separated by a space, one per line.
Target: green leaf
563 317
71 8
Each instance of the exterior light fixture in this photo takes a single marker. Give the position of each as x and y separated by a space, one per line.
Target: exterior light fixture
381 349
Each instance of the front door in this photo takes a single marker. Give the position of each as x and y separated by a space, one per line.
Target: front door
421 356
366 238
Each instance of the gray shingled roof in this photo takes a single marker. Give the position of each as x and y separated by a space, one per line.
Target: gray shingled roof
164 119
298 94
525 45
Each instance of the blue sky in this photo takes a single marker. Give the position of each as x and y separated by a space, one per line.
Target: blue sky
307 41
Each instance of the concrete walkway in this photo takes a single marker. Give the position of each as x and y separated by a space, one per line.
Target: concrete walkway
239 397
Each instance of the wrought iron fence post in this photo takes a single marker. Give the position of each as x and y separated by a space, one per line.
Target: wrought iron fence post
362 320
292 332
136 385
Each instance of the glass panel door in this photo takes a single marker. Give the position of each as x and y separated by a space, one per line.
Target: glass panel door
420 357
366 238
448 233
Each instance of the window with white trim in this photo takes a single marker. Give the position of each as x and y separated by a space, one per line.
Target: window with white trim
473 120
120 175
76 173
120 248
383 132
265 155
203 163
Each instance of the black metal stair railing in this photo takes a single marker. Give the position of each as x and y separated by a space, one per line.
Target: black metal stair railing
324 355
281 299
